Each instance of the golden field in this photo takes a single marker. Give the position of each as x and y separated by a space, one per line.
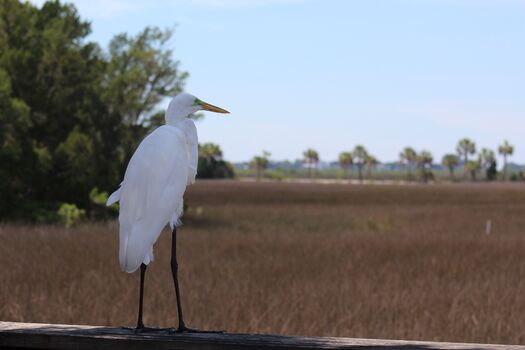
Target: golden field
405 262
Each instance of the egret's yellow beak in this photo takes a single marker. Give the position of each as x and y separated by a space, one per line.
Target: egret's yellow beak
212 108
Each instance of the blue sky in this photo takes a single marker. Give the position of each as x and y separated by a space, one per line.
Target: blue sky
331 74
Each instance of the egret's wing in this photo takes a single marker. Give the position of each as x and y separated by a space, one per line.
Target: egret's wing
193 151
192 141
151 192
115 197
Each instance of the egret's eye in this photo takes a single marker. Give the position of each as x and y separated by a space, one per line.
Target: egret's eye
197 102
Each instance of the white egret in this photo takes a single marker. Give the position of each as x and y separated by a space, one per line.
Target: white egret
151 194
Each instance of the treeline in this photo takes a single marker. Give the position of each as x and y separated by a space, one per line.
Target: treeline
420 165
71 112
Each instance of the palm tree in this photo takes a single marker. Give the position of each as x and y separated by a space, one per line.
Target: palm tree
408 157
209 151
260 163
311 158
464 148
345 160
506 149
472 168
424 163
370 162
486 159
360 154
451 161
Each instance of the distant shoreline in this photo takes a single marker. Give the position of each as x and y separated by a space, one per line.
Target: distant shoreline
373 182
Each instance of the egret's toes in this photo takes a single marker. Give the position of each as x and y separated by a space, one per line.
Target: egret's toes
185 329
140 330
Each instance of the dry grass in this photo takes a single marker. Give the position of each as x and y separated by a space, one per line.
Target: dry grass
410 262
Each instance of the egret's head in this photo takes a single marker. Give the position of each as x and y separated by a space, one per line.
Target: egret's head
184 104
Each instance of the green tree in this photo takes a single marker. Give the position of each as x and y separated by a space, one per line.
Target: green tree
505 149
71 115
487 162
211 165
311 159
260 163
451 161
73 165
141 72
492 171
14 145
345 161
424 163
210 151
464 148
70 214
472 167
408 158
53 83
370 162
360 153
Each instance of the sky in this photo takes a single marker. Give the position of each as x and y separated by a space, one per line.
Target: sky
330 74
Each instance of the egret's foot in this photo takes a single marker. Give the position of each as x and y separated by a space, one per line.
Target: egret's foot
144 329
133 329
184 329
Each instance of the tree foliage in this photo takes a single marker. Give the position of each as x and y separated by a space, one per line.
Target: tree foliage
487 162
424 163
345 160
505 149
311 158
260 163
408 158
465 148
371 162
472 167
71 114
450 161
211 165
359 154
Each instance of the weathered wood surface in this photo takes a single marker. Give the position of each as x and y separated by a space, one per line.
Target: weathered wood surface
14 335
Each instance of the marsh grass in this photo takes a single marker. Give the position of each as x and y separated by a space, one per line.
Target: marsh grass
405 262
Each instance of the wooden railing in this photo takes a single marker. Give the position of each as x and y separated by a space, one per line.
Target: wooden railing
14 335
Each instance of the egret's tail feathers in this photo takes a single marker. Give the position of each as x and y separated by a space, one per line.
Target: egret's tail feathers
114 198
131 265
123 252
149 257
131 256
175 219
176 223
136 245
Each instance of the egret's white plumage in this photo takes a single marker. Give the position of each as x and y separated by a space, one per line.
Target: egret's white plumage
151 194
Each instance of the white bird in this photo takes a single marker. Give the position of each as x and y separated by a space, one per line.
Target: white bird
151 194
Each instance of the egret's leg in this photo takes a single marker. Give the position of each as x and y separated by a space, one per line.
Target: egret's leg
140 324
175 275
174 271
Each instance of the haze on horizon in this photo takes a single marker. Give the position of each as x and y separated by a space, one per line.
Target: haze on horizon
332 74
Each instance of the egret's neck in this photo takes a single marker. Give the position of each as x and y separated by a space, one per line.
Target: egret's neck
187 126
175 117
